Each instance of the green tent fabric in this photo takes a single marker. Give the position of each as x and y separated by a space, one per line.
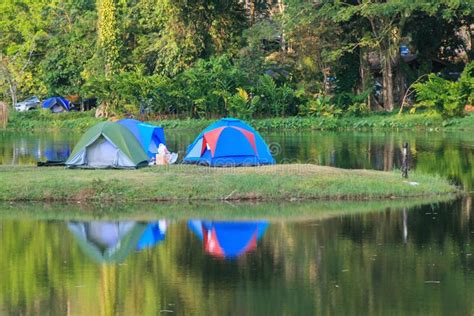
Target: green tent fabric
107 145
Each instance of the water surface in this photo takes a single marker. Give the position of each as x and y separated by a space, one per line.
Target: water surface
365 258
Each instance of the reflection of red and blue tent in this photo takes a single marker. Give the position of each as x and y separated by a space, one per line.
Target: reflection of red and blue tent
228 239
153 234
229 142
149 136
57 105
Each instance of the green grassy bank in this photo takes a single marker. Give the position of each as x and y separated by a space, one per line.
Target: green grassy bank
43 120
193 183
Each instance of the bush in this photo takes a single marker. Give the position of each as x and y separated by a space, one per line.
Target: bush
241 105
446 97
126 92
208 89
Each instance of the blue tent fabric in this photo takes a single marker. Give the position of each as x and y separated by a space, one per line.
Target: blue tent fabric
132 126
151 236
232 237
57 103
232 148
57 154
149 136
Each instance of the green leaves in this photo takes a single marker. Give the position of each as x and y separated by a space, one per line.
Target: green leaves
446 97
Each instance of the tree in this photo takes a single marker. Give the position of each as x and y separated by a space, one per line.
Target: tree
23 30
69 49
183 31
107 36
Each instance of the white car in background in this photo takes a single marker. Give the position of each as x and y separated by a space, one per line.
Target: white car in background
28 104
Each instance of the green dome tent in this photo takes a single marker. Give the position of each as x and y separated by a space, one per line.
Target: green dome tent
107 145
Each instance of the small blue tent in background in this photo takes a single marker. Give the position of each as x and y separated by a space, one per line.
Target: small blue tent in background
228 239
229 142
57 105
149 136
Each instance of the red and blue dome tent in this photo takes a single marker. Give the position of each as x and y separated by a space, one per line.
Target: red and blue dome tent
228 240
229 142
149 136
57 105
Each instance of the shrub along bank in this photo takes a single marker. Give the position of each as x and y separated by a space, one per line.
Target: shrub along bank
44 120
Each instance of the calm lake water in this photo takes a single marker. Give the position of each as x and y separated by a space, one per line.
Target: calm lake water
365 258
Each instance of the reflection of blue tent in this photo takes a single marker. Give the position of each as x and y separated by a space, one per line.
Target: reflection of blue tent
153 234
229 142
228 239
149 136
57 104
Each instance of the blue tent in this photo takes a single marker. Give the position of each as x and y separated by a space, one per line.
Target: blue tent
57 104
149 136
57 153
229 142
228 239
153 234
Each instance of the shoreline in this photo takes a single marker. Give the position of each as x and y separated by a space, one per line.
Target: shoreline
220 210
189 183
80 121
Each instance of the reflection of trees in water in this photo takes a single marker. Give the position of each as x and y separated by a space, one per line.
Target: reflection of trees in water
27 149
361 263
447 154
356 263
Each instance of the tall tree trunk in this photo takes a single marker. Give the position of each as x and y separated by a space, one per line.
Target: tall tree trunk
387 75
364 72
281 9
13 94
400 82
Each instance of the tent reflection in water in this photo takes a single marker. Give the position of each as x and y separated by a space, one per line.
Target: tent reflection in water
228 239
229 142
149 136
107 145
112 242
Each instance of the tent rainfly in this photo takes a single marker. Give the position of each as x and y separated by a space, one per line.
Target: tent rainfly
149 136
107 145
229 142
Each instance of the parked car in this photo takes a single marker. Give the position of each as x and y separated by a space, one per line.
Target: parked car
28 104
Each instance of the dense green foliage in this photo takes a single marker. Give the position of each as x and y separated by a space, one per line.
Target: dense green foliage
44 120
444 96
251 59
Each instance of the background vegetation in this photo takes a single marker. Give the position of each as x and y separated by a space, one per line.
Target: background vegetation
251 58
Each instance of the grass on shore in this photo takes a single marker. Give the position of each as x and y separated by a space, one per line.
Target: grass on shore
194 183
44 120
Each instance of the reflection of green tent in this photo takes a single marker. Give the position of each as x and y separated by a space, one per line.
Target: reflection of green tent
107 242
